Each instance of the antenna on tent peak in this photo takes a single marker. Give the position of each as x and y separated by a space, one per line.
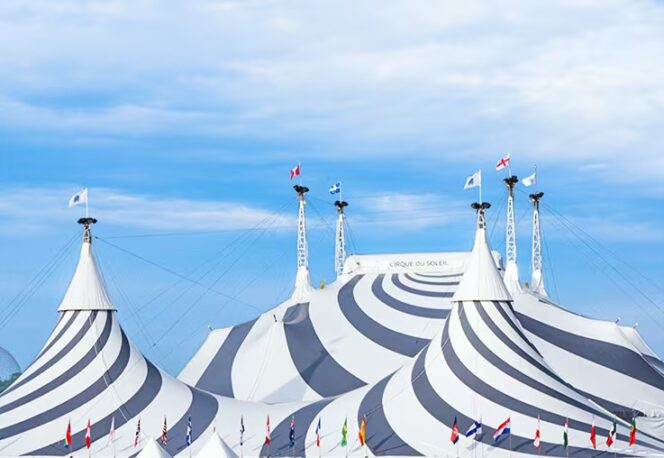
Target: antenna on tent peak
87 222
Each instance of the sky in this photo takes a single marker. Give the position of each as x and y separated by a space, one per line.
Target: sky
184 119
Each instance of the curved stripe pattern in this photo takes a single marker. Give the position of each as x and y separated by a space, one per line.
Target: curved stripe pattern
205 407
279 445
315 365
381 438
217 377
383 336
433 283
397 281
612 356
378 291
70 320
66 349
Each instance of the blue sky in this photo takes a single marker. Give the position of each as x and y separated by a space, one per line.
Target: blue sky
186 117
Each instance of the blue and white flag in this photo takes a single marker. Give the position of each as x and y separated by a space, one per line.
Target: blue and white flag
81 197
188 438
474 180
475 429
335 188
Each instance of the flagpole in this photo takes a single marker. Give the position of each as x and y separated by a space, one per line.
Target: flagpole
480 186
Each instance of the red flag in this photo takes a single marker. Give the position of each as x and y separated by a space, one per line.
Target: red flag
632 432
593 435
295 171
504 162
537 442
362 434
454 437
612 434
267 431
68 435
88 436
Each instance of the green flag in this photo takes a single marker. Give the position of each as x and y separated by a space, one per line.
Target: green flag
344 433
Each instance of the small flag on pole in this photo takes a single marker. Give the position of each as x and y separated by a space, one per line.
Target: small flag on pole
362 434
68 435
88 435
474 180
111 431
344 433
504 162
267 431
242 430
593 434
137 437
164 432
318 434
335 188
454 437
536 442
632 432
565 435
187 438
610 439
530 180
81 197
502 431
475 429
291 433
295 171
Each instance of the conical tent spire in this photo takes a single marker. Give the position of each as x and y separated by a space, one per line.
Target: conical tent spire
537 277
87 290
302 281
481 280
340 239
511 276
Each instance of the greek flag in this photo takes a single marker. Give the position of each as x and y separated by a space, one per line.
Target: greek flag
188 438
335 188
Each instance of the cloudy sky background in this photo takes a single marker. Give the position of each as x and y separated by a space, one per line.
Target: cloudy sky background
185 117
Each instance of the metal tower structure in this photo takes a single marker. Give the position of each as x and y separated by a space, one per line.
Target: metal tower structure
340 240
511 276
537 278
302 281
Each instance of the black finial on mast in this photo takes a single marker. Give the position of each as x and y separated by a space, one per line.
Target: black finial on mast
300 190
511 182
340 204
87 222
535 198
479 207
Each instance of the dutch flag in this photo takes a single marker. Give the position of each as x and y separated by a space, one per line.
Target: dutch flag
502 431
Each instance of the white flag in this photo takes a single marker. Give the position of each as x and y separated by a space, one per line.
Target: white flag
474 180
111 432
530 180
81 197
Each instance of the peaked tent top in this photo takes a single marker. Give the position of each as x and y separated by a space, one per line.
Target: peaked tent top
87 290
481 280
153 450
216 447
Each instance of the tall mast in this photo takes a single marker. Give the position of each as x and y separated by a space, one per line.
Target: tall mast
340 240
537 278
302 282
511 276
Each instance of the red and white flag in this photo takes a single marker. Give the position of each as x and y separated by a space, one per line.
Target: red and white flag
593 435
504 162
267 431
536 442
88 436
295 171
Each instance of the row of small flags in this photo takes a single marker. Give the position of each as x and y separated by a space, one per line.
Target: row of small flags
504 430
296 171
473 431
475 179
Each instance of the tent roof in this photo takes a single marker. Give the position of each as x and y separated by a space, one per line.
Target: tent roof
215 447
153 450
481 280
87 290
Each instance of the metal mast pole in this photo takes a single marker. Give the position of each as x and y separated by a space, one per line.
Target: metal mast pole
302 281
340 240
537 278
511 276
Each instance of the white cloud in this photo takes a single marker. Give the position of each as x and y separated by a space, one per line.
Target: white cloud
33 209
579 81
